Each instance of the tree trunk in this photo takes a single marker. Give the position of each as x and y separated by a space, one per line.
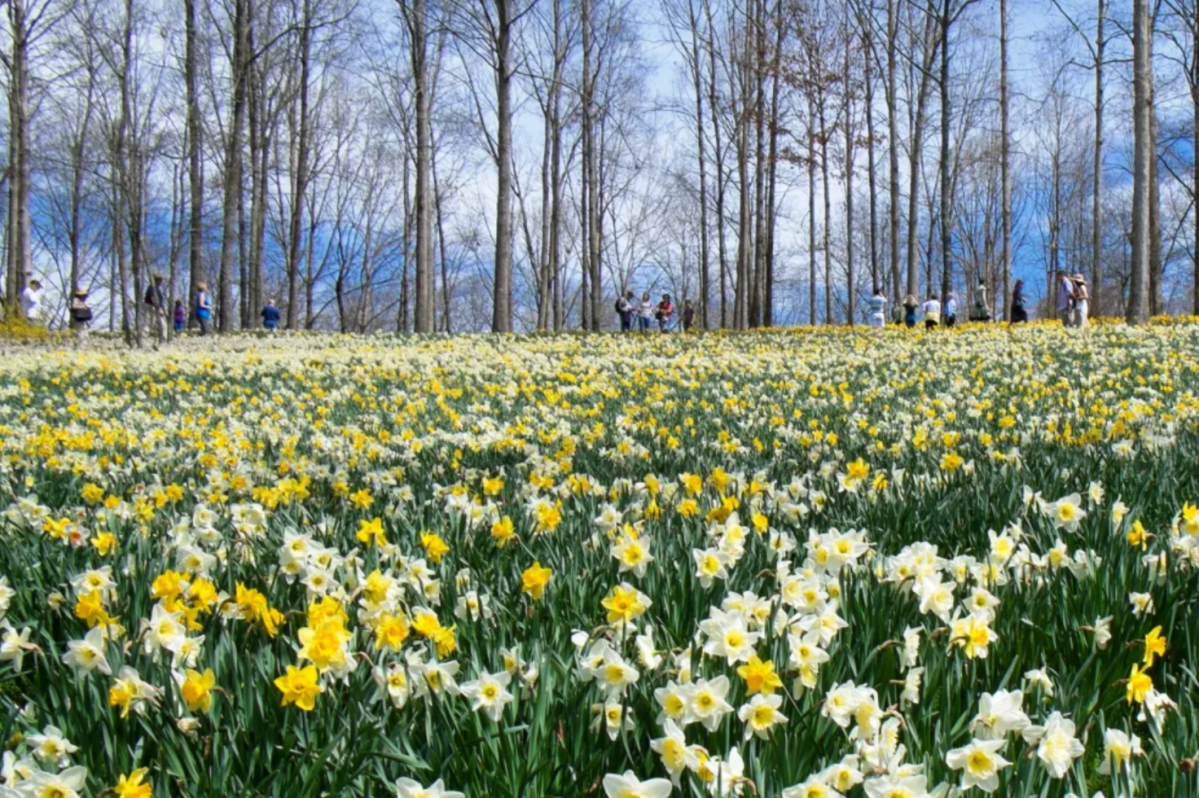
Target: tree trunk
195 146
772 164
1156 264
20 257
893 147
299 186
591 209
1138 301
1195 164
502 308
416 17
828 263
233 157
1005 157
849 277
914 157
872 177
946 193
1097 181
714 107
758 278
811 213
702 160
555 243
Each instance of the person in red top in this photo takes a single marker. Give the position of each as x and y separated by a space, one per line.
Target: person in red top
665 313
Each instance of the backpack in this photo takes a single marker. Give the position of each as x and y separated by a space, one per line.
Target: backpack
149 298
1080 290
620 302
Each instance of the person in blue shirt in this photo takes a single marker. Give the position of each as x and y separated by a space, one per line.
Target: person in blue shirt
951 310
270 316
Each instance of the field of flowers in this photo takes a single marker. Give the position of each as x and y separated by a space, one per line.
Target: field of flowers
806 564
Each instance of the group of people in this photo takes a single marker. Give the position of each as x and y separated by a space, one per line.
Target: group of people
1073 299
80 315
936 313
1073 305
646 312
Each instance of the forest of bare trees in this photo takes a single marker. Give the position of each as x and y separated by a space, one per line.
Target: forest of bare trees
515 165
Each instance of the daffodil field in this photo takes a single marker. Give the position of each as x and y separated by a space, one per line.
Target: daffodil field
807 564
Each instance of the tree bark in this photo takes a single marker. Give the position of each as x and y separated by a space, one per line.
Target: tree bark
20 256
946 194
233 164
849 154
1097 181
1005 155
416 18
914 157
501 321
1138 301
893 147
299 186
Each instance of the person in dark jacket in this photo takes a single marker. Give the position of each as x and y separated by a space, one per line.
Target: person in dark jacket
270 316
1019 309
688 315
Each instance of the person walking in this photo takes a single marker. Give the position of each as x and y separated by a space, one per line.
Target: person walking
909 310
951 310
980 311
624 310
1019 304
688 315
878 309
645 313
1082 301
156 305
79 315
270 316
203 307
665 313
932 311
1065 299
180 317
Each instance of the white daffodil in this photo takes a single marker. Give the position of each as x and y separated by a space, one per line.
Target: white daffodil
980 763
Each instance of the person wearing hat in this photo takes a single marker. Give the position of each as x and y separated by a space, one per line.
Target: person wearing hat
203 307
1065 298
80 314
156 304
1082 301
31 300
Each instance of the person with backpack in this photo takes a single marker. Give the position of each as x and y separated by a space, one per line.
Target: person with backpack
156 306
1082 301
624 311
80 315
270 316
203 307
645 313
665 313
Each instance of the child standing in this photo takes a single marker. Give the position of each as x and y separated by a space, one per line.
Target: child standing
180 316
